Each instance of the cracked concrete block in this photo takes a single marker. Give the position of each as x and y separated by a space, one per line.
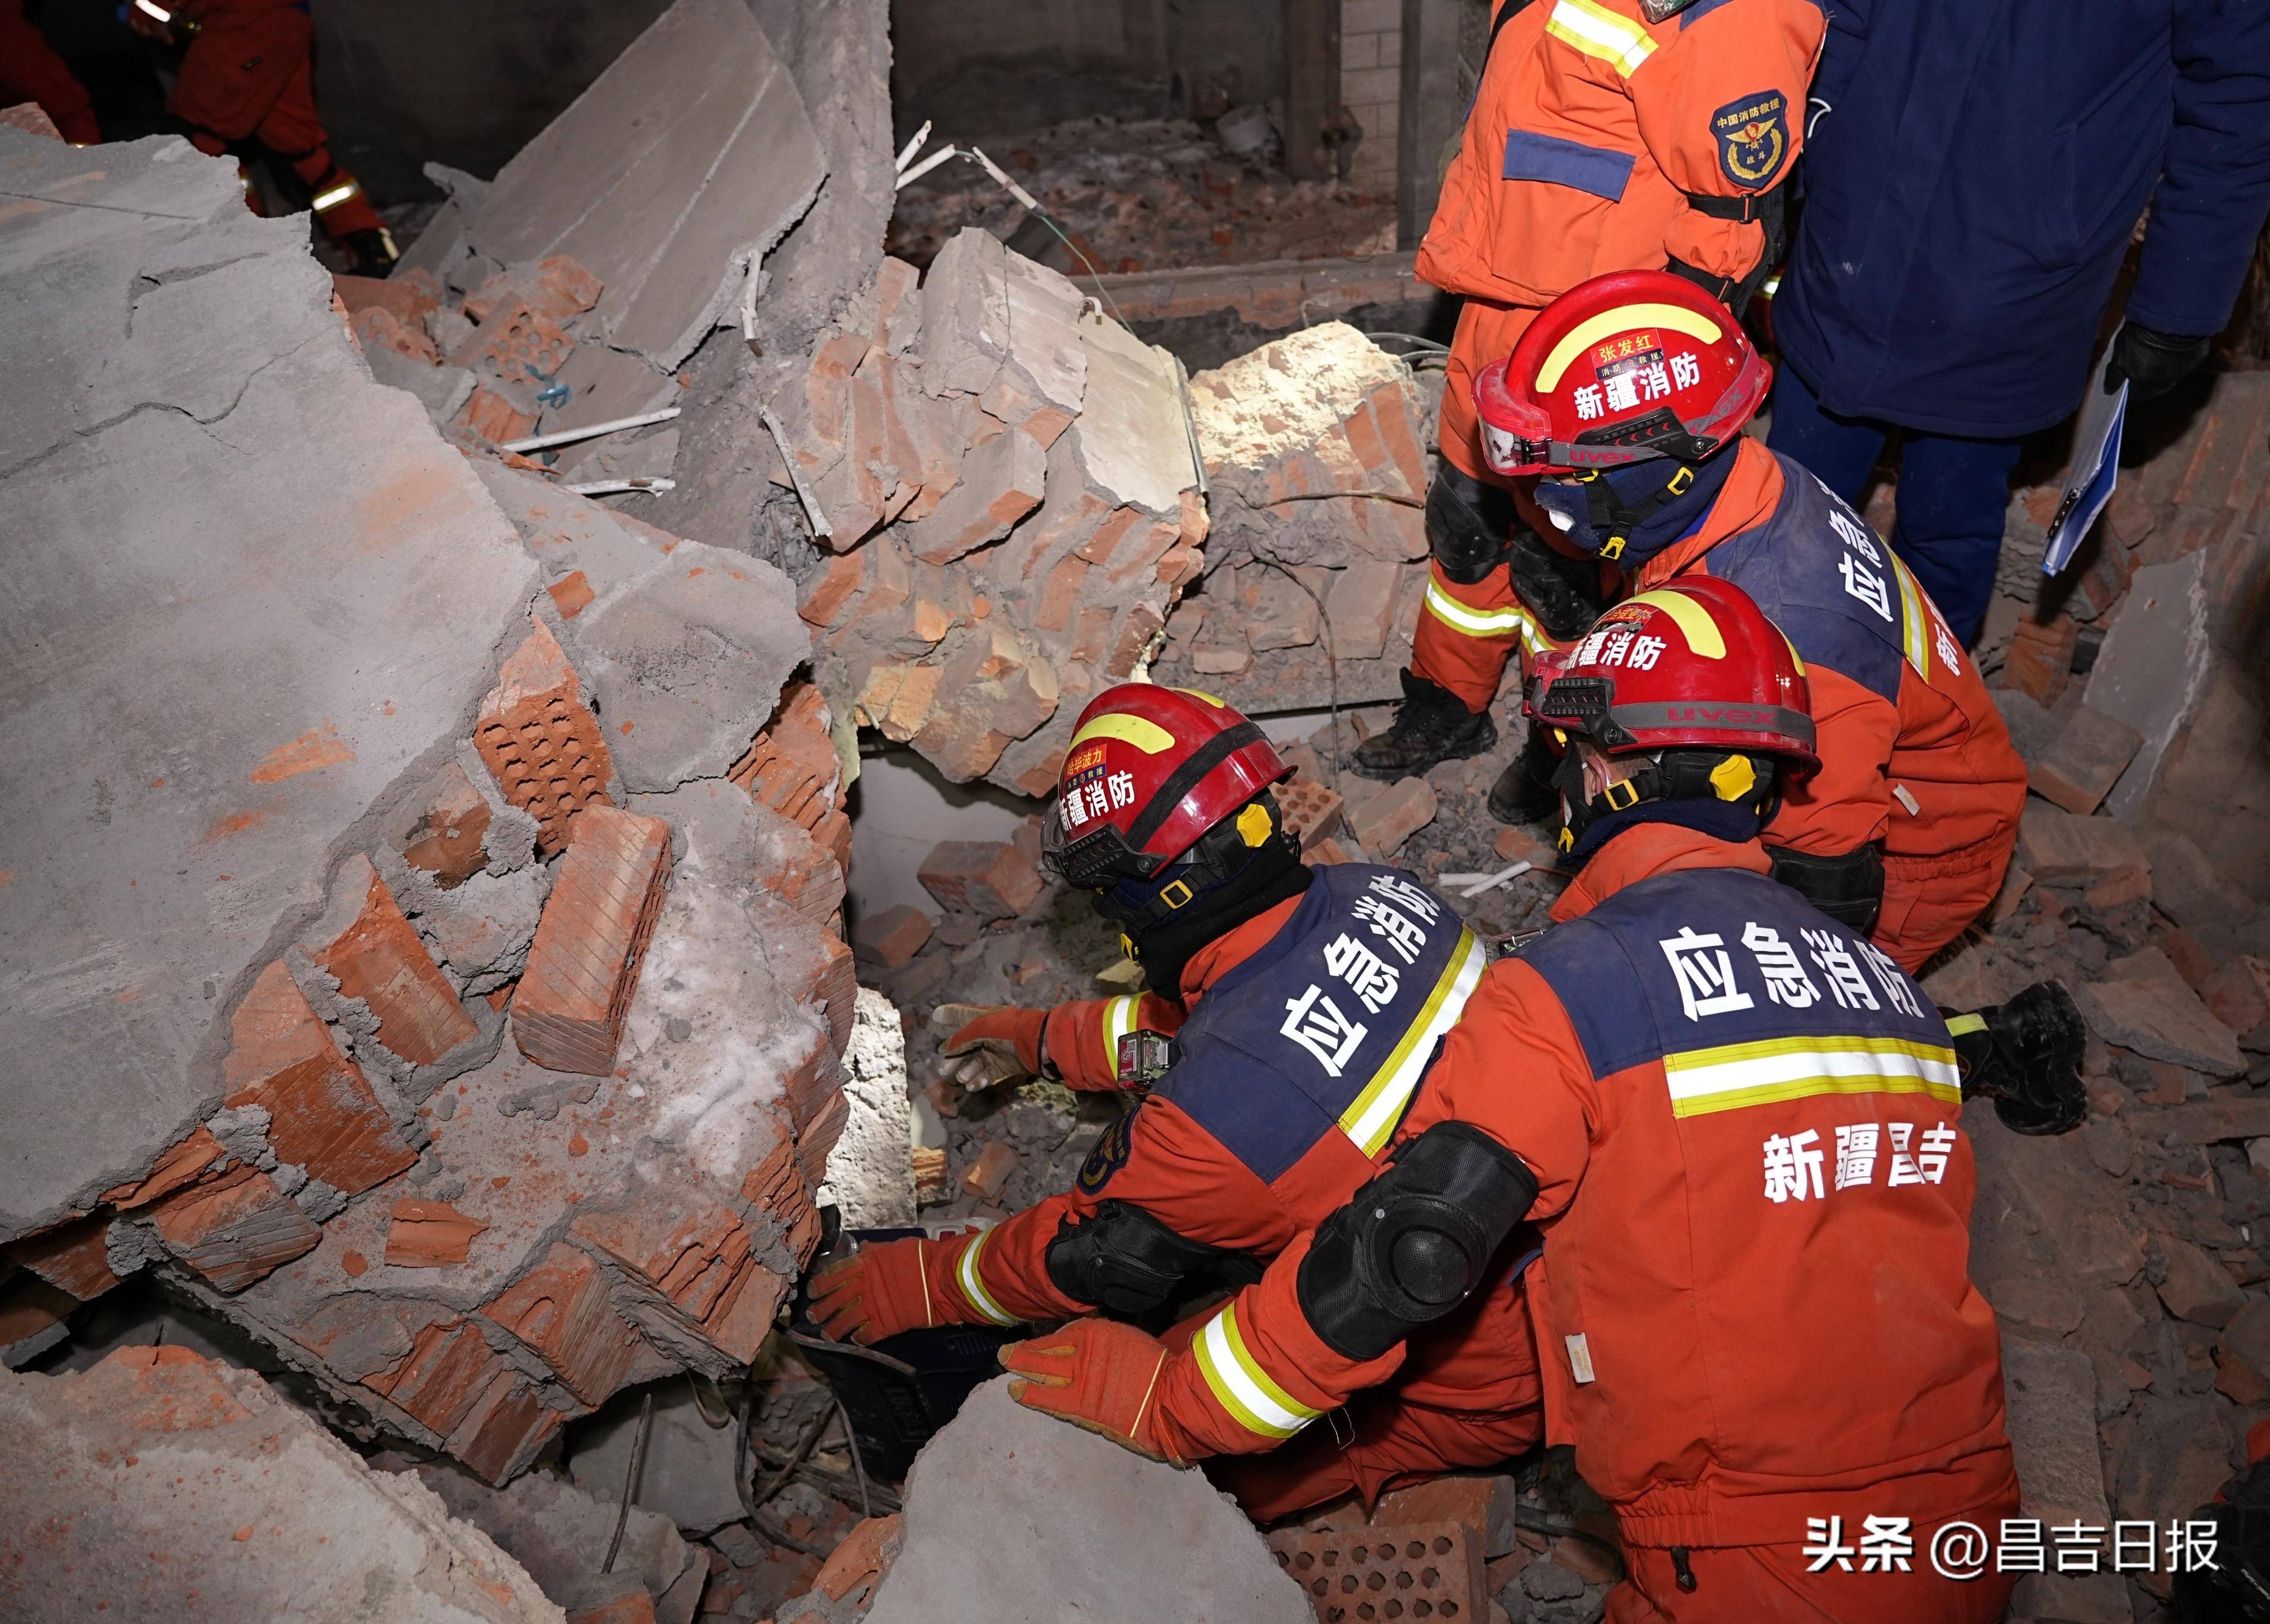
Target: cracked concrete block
285 1522
871 1175
2153 670
2160 1021
686 161
1002 1493
688 1474
442 391
198 629
965 314
1133 433
560 1535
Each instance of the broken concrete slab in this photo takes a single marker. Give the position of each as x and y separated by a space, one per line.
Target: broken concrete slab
2153 670
687 1477
2161 1020
998 1500
154 534
870 1172
281 1519
677 170
2083 761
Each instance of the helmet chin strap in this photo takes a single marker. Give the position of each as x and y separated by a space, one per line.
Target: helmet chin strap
1616 519
1730 777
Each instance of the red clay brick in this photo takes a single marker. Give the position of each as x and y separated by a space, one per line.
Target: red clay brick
381 328
985 1176
990 878
572 594
832 589
322 1114
494 419
409 298
446 840
428 1235
507 1424
560 1309
523 344
890 939
73 1257
583 966
696 1258
2040 661
540 741
234 1229
634 1606
1312 812
28 1306
446 1373
380 960
177 1166
791 765
837 988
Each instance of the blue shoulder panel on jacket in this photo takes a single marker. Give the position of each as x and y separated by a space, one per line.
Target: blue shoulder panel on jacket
1822 576
1289 1042
1706 958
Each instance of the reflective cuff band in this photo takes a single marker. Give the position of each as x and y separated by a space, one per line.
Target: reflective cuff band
973 1286
1597 32
345 191
1510 622
1118 1021
1962 1026
1241 1386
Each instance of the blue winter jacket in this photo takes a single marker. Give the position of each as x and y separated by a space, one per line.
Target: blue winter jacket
1973 183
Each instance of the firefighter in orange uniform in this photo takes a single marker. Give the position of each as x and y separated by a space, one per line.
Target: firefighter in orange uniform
1305 1004
1628 396
1737 1124
30 71
248 74
1605 135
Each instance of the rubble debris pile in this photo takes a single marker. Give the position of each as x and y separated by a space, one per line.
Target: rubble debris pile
364 760
161 1485
1317 556
1003 479
1145 193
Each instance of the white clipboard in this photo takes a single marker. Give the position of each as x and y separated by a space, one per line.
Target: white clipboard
2095 471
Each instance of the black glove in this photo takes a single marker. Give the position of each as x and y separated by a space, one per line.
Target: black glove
2151 363
2025 1056
2236 1590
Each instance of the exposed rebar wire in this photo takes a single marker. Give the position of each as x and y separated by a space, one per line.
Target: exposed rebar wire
810 1439
858 1467
757 1520
630 1479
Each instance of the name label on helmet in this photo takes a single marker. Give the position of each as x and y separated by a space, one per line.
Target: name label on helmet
1096 794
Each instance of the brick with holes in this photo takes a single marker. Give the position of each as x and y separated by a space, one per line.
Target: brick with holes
540 740
583 964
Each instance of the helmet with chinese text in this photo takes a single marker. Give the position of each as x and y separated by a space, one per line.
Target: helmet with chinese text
1635 364
1693 678
1692 664
1150 772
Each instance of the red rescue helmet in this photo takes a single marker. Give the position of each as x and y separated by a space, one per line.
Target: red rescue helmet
1150 770
1628 365
1694 665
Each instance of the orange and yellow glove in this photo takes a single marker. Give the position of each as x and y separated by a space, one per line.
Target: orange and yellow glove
995 1043
895 1286
1100 1374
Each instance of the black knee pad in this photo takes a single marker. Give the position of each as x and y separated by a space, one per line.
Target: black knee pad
1414 1243
1126 1262
1467 522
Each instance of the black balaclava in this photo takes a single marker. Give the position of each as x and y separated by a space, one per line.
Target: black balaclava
1680 792
1589 513
1274 873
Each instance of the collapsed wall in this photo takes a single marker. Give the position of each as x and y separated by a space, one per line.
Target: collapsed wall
419 884
1004 483
1315 562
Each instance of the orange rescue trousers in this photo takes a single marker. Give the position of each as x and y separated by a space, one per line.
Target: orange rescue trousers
1755 1584
249 75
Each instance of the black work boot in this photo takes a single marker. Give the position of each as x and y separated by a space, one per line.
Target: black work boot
373 251
2025 1056
1431 725
1524 793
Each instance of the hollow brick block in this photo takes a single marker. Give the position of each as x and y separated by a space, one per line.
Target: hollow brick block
583 965
540 741
234 1229
321 1114
380 960
74 1258
562 1310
